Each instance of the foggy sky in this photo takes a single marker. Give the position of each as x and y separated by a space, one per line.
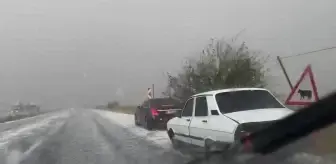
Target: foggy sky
62 53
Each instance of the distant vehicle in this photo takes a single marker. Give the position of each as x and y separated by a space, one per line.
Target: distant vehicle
21 109
216 119
155 113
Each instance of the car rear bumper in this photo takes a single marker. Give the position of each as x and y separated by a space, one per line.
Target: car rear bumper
161 122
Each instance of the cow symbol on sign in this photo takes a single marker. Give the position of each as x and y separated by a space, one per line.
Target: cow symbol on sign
305 93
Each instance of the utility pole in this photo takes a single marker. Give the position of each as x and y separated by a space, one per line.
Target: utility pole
285 72
236 36
169 92
153 90
169 85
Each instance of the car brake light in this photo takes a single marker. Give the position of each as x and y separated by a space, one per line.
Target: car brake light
246 134
247 142
154 112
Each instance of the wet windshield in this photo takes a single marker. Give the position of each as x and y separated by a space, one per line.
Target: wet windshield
136 81
316 148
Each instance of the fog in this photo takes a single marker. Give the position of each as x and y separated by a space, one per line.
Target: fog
72 53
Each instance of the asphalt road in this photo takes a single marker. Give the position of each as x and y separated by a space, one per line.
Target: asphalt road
84 137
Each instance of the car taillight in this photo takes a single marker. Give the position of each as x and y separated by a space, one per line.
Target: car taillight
245 134
246 141
154 112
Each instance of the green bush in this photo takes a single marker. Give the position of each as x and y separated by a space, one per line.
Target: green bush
126 109
221 65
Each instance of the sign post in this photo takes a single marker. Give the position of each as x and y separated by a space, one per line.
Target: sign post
285 72
149 93
305 91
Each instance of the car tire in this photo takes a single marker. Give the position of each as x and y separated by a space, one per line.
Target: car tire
148 124
208 144
206 151
171 135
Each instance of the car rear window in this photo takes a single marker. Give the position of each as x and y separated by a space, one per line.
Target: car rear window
165 104
236 101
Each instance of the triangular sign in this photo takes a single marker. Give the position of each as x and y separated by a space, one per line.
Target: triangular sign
304 91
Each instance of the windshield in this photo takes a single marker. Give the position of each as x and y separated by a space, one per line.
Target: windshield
132 81
316 148
238 101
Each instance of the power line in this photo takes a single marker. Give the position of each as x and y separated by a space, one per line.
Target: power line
310 52
236 36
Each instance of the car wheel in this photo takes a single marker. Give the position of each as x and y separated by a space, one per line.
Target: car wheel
175 143
148 124
171 136
208 144
206 151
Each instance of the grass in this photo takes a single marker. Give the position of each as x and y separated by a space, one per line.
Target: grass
126 109
123 109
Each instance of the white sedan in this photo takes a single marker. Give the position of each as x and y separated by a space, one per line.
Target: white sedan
224 116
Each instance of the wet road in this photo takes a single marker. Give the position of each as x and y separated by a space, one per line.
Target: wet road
84 137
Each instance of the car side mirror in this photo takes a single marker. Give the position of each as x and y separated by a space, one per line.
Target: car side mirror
214 112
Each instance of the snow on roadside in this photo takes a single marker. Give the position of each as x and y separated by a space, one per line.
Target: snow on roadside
25 130
159 137
17 123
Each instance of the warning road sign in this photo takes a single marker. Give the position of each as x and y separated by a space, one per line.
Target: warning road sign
304 91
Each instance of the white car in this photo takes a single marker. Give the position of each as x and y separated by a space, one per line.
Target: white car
224 116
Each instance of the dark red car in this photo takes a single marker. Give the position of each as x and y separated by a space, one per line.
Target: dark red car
155 113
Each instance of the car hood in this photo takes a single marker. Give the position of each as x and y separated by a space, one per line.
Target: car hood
259 115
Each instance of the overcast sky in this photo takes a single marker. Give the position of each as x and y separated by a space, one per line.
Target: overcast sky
62 53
